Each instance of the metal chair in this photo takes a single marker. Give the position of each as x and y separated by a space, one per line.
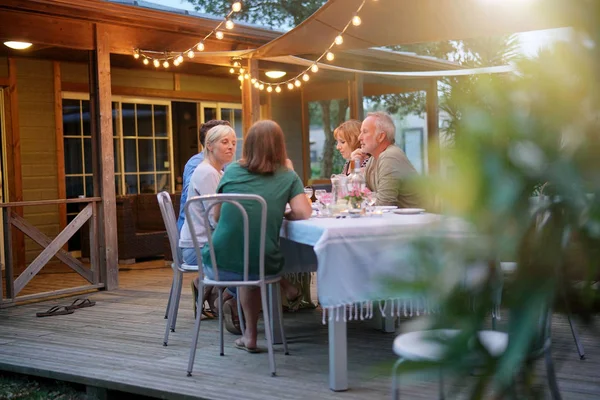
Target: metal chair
204 205
179 267
428 346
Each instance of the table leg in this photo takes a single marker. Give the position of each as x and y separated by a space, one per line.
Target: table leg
338 355
273 301
385 324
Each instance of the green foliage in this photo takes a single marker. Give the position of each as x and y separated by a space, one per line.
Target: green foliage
271 13
515 132
17 387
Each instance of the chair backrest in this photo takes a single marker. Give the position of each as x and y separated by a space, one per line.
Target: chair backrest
204 204
168 215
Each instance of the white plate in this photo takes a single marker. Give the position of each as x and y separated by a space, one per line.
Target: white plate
381 208
409 211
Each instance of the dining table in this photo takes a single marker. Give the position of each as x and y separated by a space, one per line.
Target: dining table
353 258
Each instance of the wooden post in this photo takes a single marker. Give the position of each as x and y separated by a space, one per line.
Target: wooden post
102 139
14 156
433 130
355 97
250 99
305 138
60 145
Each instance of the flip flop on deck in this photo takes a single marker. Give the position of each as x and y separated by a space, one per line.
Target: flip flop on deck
56 310
239 344
81 303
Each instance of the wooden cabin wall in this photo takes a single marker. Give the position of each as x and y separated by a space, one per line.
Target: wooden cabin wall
3 67
35 88
286 110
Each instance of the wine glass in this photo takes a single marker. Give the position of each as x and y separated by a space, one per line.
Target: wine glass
319 194
308 191
371 200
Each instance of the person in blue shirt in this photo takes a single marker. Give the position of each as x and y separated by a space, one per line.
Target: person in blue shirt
191 165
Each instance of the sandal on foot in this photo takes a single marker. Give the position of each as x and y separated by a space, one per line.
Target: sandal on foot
81 303
232 323
239 344
294 305
56 310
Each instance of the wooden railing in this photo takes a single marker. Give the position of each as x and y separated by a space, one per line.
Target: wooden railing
51 248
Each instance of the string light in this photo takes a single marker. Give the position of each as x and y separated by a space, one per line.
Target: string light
158 58
242 70
296 81
231 71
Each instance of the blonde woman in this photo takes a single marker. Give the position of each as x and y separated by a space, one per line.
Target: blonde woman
347 141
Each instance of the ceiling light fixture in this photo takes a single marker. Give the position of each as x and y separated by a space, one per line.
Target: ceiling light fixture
275 74
17 45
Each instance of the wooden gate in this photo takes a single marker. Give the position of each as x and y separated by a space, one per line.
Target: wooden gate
51 248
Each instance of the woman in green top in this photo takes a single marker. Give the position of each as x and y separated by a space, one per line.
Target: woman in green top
263 170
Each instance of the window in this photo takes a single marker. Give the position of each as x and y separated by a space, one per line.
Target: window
412 144
146 147
142 146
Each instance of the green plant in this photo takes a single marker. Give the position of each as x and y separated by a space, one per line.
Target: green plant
539 125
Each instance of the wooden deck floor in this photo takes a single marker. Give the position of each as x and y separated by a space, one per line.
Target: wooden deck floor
117 344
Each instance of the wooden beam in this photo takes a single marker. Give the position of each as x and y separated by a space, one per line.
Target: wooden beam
306 170
355 97
176 82
433 130
60 145
104 167
4 81
13 144
40 29
159 93
250 99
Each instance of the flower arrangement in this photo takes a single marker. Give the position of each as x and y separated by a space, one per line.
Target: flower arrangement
356 196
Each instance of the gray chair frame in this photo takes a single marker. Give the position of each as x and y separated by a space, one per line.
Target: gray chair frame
205 204
178 266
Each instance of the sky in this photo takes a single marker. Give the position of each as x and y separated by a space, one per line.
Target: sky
531 42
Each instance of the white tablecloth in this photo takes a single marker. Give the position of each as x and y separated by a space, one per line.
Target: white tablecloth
354 255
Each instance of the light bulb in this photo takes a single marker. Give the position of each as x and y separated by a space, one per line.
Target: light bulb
356 21
191 54
256 85
305 77
146 62
231 70
166 64
246 76
253 81
136 55
339 40
242 70
241 78
278 89
219 35
297 83
176 63
236 64
330 56
156 63
290 86
200 46
179 59
261 86
269 89
229 24
314 68
236 7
